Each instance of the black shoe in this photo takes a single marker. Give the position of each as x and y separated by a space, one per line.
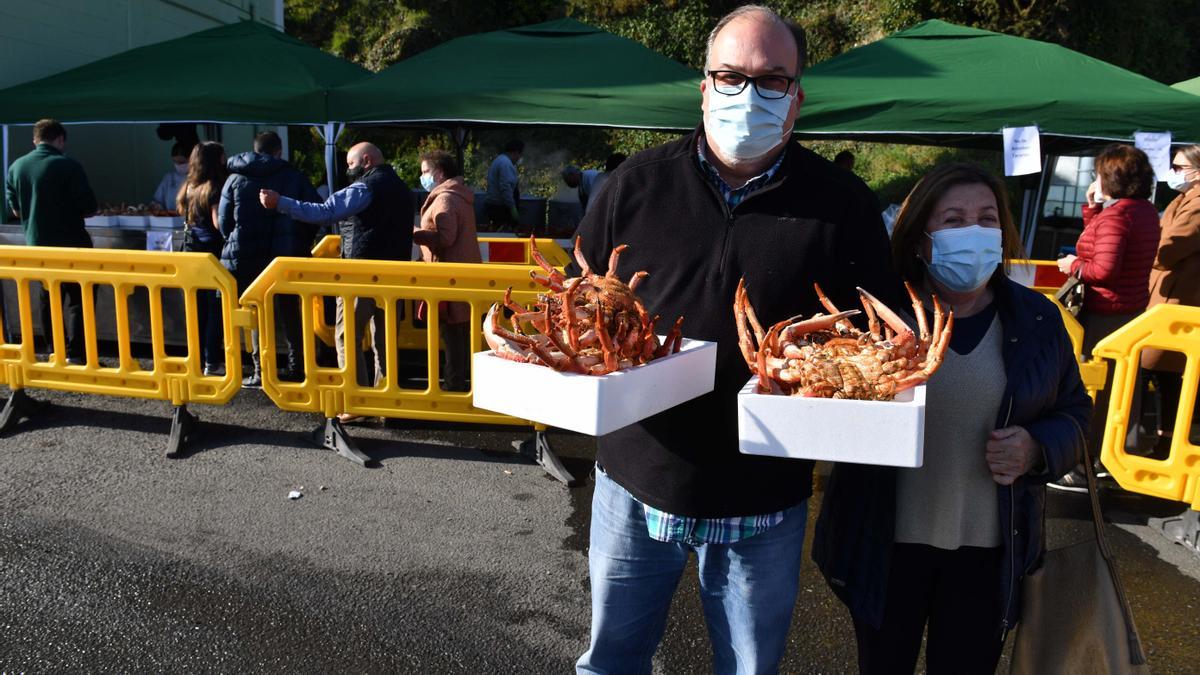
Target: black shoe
1074 481
252 381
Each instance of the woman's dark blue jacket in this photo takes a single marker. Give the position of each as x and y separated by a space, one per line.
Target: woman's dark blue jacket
853 541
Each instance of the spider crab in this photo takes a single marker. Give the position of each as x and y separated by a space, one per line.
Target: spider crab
591 324
826 356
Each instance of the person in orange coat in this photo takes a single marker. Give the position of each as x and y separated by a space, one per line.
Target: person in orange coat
447 234
1175 277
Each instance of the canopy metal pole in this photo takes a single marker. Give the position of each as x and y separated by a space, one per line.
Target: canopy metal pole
1031 218
330 133
460 135
3 199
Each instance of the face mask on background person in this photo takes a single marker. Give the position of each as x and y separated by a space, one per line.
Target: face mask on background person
427 181
181 169
354 173
1177 182
746 126
964 258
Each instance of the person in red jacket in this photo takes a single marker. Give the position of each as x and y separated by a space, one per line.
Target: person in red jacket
1113 257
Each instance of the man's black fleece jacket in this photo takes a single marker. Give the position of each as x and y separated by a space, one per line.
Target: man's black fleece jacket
811 222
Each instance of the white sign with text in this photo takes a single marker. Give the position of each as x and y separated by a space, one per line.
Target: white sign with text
1022 151
1157 146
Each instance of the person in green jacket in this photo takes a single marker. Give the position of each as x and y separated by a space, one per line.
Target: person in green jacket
50 194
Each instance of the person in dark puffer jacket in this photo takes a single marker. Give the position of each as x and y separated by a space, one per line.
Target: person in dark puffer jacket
375 215
1114 256
949 543
255 236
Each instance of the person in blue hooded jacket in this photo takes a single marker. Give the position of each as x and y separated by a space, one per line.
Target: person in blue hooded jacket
946 545
254 235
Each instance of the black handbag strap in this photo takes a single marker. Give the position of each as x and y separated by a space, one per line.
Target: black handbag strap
1136 656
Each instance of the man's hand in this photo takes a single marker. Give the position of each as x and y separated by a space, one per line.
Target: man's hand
1065 262
269 198
1011 453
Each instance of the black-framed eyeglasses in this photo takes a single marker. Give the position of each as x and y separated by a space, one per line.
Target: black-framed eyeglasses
731 83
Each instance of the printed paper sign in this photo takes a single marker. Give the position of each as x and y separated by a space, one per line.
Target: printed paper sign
1157 147
1022 151
158 241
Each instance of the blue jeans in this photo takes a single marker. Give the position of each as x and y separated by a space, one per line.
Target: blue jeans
748 589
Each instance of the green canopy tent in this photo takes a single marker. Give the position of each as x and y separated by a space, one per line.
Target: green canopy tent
560 72
941 84
243 73
556 73
1191 86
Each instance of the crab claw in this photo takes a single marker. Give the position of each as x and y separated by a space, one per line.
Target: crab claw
890 318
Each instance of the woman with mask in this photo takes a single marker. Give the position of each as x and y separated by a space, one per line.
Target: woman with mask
1175 278
1113 258
168 187
197 202
946 545
447 233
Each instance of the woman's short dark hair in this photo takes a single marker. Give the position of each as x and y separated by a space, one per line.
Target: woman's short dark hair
918 206
443 160
1124 172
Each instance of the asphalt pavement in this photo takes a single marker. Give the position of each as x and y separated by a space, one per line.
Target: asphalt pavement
453 554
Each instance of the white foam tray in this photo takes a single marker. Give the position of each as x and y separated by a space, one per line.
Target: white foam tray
100 221
165 222
593 405
889 433
133 222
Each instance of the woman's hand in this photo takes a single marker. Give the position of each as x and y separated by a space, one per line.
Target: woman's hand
1094 198
1065 262
1011 453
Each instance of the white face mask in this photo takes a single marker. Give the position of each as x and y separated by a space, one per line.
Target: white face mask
745 126
964 258
181 169
1177 182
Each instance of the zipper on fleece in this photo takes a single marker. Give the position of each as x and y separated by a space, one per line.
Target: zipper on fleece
1012 543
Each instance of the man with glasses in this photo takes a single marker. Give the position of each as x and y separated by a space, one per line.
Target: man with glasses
734 199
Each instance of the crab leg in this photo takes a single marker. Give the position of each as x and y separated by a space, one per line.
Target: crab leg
586 271
606 345
612 260
568 312
890 318
919 312
743 314
637 280
534 253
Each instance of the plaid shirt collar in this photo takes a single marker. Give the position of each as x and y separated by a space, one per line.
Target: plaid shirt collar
734 196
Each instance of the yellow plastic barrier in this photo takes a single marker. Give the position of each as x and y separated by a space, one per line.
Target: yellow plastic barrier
334 390
1169 327
1040 275
1093 372
178 379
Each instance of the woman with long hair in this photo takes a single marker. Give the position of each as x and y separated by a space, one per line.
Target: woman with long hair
946 545
197 203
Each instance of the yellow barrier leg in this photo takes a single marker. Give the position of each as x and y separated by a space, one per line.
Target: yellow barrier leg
1183 529
183 429
18 407
333 436
538 449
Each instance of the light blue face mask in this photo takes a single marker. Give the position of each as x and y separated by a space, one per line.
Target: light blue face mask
745 126
964 258
1177 182
427 181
